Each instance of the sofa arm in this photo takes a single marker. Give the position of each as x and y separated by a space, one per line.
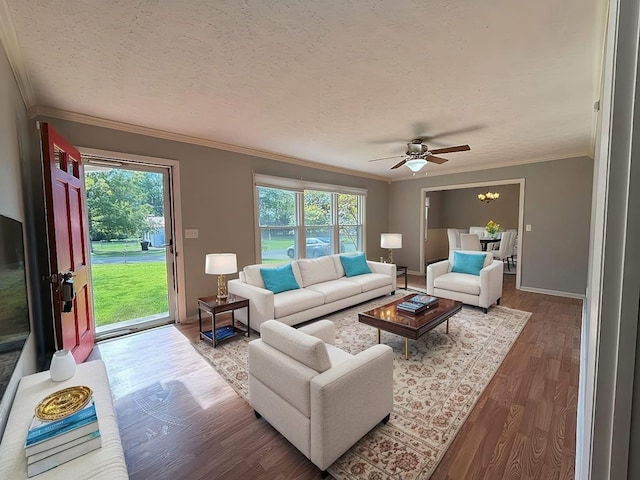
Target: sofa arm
348 400
325 330
260 302
490 284
385 269
434 270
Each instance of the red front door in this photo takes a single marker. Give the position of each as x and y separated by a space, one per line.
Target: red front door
68 243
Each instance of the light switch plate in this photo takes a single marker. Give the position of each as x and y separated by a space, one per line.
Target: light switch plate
528 228
190 233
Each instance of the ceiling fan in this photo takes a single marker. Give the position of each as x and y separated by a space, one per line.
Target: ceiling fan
418 154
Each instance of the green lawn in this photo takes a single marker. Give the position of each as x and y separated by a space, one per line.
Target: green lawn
127 291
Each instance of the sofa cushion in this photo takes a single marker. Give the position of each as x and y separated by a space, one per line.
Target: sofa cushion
294 301
279 279
306 349
465 262
252 275
370 281
335 290
316 270
458 282
354 264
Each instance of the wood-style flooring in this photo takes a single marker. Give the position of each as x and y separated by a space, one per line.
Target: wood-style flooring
180 420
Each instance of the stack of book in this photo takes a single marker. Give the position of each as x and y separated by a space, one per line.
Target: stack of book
417 304
52 443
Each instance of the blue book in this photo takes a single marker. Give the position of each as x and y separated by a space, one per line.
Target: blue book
42 429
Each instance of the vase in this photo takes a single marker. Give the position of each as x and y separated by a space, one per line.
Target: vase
63 366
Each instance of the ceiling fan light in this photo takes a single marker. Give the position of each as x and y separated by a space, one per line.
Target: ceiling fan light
416 164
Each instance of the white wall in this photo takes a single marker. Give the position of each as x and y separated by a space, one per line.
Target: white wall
14 148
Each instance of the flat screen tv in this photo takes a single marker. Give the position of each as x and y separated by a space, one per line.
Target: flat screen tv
14 307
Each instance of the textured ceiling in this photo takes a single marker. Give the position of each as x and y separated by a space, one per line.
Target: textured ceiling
332 82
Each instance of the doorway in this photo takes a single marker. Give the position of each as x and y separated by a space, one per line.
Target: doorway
426 207
130 206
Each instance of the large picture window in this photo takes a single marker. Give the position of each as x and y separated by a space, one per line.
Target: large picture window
325 219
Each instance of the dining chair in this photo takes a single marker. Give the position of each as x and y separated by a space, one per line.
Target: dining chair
454 238
480 231
470 241
506 248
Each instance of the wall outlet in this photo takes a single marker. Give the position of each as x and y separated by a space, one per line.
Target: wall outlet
190 233
528 228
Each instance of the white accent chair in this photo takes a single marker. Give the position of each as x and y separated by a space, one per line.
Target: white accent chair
470 242
480 231
322 399
480 290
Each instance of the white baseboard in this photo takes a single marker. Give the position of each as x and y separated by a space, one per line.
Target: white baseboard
554 293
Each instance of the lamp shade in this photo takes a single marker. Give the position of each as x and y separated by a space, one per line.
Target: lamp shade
416 164
221 263
391 240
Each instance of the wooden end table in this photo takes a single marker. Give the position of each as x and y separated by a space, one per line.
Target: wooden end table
213 307
407 325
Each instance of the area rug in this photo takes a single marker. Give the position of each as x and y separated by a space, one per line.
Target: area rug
434 391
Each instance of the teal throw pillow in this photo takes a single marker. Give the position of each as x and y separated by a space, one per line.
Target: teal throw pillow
354 265
279 279
470 263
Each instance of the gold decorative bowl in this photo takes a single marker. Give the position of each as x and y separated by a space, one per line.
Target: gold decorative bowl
63 403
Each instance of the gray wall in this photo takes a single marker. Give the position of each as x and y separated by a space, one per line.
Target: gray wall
462 209
557 204
217 196
14 153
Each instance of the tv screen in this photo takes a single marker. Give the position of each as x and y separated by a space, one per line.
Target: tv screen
14 307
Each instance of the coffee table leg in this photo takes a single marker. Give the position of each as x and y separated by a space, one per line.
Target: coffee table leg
378 335
447 325
406 349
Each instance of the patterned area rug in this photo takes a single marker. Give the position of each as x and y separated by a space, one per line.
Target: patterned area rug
435 390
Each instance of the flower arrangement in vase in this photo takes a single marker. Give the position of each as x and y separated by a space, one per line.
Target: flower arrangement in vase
492 228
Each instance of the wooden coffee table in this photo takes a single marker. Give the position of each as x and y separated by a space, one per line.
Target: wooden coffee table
407 325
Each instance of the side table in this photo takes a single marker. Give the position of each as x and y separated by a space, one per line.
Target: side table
213 307
400 270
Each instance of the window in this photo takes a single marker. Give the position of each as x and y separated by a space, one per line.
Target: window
325 219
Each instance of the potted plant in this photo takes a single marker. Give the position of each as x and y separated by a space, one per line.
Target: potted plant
492 228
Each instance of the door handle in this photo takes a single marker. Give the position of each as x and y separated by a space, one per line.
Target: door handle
68 291
170 245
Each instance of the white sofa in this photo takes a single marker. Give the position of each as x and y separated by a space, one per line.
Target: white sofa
320 398
480 290
324 289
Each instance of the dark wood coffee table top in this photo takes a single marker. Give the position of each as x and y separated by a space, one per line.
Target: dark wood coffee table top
411 326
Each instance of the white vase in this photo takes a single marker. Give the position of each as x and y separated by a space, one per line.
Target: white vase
63 366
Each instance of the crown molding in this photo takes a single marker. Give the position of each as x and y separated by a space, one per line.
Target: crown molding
178 137
9 40
485 166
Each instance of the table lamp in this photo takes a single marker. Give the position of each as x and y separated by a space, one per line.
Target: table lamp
220 264
391 241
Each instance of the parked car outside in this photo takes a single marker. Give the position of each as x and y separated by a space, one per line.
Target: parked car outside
315 248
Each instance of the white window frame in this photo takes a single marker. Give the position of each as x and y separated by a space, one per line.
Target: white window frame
299 186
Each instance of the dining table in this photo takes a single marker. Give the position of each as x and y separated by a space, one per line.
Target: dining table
485 241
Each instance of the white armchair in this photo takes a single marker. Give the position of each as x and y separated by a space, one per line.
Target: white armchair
481 290
322 399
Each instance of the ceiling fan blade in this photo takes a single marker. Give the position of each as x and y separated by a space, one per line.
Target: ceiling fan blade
457 148
437 160
399 164
384 158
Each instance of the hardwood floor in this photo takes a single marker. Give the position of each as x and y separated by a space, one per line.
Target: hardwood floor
179 419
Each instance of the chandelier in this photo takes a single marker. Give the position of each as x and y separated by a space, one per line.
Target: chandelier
488 197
